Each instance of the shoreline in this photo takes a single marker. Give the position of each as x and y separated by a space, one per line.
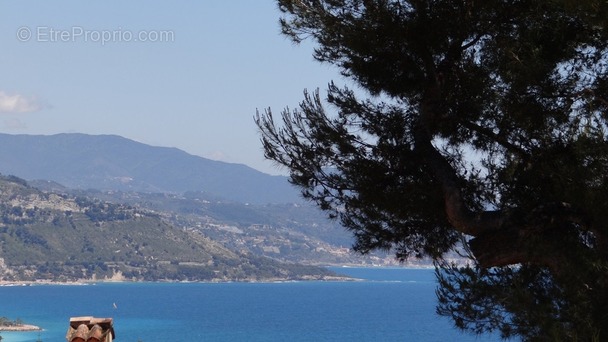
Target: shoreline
328 278
167 281
20 327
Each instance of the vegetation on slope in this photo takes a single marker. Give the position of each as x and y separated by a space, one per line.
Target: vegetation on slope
62 238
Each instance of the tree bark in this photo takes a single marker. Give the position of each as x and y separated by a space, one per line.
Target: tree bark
497 239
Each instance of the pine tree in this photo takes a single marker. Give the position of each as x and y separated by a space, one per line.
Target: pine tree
475 125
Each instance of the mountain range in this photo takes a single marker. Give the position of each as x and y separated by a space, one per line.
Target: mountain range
60 237
110 162
97 206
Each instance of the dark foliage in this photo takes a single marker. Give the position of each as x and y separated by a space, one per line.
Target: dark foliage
485 122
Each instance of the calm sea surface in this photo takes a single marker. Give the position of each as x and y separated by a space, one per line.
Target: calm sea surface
391 304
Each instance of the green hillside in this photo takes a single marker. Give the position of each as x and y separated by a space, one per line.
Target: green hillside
59 237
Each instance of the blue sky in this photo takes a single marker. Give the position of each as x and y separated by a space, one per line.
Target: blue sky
195 84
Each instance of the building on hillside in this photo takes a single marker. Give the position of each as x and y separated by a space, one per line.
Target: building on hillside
90 329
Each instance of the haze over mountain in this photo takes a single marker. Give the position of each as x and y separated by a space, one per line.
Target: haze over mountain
110 162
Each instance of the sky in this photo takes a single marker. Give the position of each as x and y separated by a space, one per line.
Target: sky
188 73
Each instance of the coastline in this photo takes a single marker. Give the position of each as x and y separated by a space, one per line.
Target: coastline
85 282
328 278
31 283
20 327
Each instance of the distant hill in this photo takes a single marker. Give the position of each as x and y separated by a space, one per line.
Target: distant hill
109 162
58 237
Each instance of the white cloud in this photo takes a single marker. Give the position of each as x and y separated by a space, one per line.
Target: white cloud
18 103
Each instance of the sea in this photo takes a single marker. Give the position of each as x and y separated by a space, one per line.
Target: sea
387 304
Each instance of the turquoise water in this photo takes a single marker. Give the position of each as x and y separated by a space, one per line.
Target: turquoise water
390 305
